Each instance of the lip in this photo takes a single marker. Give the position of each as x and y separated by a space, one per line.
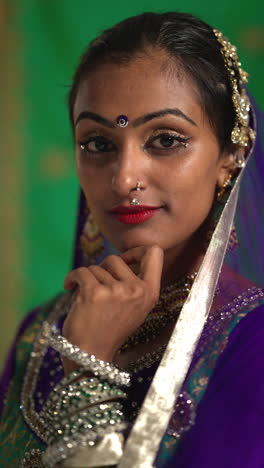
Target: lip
134 214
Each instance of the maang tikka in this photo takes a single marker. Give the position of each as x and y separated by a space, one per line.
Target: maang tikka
242 133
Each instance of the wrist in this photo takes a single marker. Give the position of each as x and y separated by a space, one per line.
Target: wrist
100 368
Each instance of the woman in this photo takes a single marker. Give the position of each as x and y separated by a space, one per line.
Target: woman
163 128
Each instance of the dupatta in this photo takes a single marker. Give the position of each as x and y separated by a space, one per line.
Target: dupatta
244 210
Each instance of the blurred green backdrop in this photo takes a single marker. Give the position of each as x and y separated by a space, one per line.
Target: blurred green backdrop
41 41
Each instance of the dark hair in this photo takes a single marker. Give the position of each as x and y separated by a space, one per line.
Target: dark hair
186 39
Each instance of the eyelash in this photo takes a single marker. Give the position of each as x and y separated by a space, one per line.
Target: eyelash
182 142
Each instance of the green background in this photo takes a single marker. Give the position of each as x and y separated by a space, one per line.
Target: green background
40 42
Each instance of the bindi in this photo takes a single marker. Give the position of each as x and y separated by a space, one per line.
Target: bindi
122 121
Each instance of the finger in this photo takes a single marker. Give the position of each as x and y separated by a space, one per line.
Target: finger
134 255
81 277
117 268
102 275
151 267
133 258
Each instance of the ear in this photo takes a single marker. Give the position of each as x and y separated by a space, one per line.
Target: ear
227 163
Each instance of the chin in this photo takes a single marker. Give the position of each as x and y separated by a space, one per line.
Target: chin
132 238
131 242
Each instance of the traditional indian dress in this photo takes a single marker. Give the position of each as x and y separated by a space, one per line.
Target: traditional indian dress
217 418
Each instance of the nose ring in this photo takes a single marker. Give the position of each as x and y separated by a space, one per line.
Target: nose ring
135 201
138 186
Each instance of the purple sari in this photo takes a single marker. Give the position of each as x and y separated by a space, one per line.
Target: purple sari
229 429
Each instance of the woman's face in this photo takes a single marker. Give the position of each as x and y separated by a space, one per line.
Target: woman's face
173 152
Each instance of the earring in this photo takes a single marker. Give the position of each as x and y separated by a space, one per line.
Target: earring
239 160
91 240
222 190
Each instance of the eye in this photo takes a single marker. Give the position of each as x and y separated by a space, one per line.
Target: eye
97 144
167 141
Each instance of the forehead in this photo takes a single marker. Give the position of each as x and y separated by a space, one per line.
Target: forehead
148 83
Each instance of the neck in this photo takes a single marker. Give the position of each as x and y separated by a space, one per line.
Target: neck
181 261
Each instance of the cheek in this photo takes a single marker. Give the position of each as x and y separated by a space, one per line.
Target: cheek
92 182
192 194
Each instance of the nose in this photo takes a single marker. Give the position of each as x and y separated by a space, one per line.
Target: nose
129 169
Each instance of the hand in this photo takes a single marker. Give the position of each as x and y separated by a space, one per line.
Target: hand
111 301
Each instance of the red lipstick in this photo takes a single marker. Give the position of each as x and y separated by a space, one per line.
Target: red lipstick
134 214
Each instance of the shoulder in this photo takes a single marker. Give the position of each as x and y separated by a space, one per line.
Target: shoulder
237 381
230 410
230 413
244 352
238 301
231 285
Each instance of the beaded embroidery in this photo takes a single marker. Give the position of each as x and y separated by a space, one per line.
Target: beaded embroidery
165 311
31 417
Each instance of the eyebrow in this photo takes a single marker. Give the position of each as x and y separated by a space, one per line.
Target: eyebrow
154 115
137 122
96 117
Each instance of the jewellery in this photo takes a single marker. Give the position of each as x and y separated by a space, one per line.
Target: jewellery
78 396
32 459
135 200
147 360
73 392
84 420
166 311
241 133
82 409
138 186
99 368
91 239
239 160
224 186
122 121
68 446
44 427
